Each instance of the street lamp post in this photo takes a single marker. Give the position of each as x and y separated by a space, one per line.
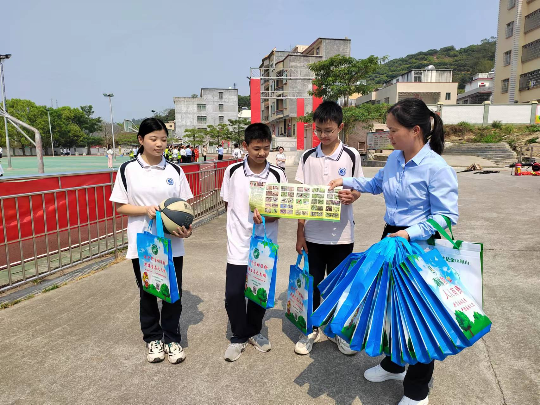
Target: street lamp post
50 130
110 95
2 57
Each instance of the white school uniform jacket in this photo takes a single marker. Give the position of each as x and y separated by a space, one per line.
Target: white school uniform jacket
237 180
315 168
138 183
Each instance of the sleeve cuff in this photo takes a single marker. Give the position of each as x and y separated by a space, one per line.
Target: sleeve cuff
415 232
348 182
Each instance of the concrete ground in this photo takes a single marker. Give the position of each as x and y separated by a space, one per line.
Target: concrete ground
81 343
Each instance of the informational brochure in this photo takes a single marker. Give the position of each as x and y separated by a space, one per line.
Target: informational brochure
298 201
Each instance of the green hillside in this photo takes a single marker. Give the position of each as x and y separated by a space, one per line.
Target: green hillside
465 62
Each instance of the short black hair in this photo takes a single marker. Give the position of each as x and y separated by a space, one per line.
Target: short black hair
258 131
328 111
235 145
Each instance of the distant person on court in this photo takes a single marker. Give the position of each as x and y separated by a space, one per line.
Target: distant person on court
175 154
110 154
281 158
204 152
1 152
182 154
220 153
237 152
189 154
196 153
1 171
142 184
246 320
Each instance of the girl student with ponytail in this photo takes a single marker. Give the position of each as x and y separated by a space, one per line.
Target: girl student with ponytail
141 184
417 185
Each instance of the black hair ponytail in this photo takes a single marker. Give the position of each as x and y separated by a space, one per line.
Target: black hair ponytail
411 112
436 138
150 125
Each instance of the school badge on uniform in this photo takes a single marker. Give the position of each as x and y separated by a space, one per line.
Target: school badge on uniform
170 181
342 171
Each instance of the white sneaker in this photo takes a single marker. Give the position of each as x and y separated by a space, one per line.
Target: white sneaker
342 345
261 343
234 351
408 401
305 343
175 353
379 374
155 352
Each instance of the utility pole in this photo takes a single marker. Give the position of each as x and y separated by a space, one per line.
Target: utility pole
2 84
110 95
50 130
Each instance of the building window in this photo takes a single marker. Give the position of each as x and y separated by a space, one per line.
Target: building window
318 51
448 96
532 21
386 100
220 95
510 29
529 80
221 107
417 76
201 107
511 4
530 51
507 56
201 119
504 85
221 119
482 85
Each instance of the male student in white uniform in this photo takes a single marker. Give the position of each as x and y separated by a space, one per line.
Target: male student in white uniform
246 322
327 243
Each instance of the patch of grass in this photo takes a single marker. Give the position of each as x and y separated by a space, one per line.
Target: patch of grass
533 128
496 125
52 287
465 125
531 140
507 129
489 137
11 303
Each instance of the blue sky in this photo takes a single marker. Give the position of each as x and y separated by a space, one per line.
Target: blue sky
147 52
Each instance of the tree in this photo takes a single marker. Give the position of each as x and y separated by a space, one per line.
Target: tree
195 136
217 134
126 138
194 95
342 76
89 126
238 127
30 113
464 322
244 101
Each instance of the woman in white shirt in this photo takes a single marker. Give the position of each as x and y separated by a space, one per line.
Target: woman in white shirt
110 154
141 184
281 158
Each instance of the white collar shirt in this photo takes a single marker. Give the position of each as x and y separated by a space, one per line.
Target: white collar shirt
138 183
235 190
316 168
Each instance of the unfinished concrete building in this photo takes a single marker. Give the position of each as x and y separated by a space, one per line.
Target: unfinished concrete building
280 86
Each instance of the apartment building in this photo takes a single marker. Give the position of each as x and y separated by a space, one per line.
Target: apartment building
214 106
430 85
517 59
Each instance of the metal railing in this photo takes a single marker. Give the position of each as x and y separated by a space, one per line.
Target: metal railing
68 220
